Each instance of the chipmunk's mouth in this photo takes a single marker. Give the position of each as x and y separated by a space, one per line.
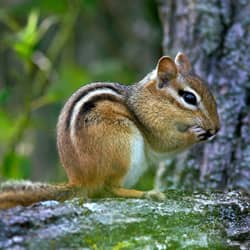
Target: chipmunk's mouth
201 133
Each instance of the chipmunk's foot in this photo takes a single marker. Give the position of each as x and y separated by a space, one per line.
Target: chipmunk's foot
155 195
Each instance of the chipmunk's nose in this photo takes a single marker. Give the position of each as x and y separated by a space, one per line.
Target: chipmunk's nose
210 134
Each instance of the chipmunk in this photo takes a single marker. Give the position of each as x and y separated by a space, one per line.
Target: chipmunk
107 133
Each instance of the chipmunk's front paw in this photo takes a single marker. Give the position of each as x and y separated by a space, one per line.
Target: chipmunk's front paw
155 195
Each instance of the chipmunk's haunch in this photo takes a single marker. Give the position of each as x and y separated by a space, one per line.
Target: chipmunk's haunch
107 132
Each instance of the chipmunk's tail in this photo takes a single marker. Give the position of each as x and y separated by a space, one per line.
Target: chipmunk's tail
26 193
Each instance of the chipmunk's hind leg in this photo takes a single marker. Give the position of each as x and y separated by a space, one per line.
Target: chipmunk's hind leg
126 193
133 193
115 189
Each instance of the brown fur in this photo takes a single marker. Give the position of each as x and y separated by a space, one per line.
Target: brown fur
38 192
97 157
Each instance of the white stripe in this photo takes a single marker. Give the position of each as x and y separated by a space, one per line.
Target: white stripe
150 76
80 104
175 95
179 99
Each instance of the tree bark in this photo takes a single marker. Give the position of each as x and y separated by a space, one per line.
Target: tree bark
216 36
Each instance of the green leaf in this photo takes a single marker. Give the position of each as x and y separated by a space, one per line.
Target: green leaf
28 37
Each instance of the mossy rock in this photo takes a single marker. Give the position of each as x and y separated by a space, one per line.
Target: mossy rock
183 221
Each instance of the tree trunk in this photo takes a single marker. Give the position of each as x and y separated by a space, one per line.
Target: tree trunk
215 35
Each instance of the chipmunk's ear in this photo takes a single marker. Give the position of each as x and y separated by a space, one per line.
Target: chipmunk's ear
183 64
166 71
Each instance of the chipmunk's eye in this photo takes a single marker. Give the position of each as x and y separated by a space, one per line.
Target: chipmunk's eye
188 97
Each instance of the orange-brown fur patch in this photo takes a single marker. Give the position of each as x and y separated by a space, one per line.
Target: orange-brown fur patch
99 157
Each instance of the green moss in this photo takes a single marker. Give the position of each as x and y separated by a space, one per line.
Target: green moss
183 221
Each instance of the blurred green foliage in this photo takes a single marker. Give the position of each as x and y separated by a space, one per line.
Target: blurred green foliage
47 51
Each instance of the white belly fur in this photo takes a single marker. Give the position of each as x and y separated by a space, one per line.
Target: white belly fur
138 164
141 157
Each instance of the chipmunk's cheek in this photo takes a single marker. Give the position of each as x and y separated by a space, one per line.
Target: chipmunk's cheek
182 127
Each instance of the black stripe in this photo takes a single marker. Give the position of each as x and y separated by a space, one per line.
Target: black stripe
91 104
83 93
87 107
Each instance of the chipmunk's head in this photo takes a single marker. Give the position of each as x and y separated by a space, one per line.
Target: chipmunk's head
192 105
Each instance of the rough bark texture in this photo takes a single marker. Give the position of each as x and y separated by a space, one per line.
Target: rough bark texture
216 36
